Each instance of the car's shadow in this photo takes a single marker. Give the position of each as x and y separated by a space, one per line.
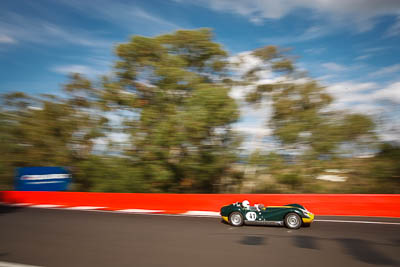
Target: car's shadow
8 209
4 208
253 225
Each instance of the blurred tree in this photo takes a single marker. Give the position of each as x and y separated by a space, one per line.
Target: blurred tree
101 173
49 130
6 145
292 179
257 158
302 120
168 100
180 111
301 116
385 168
169 89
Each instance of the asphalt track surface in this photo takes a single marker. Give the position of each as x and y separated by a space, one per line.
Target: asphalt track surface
49 237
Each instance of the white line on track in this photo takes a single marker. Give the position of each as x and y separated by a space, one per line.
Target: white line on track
155 214
345 221
139 211
203 214
46 206
187 214
85 208
9 264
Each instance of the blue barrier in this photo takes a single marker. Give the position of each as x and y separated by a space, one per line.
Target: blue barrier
42 179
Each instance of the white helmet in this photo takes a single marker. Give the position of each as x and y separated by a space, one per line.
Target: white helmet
246 204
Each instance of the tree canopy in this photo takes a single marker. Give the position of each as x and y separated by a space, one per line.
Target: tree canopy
163 121
302 117
175 109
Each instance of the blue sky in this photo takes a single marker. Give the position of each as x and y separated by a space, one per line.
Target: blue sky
351 46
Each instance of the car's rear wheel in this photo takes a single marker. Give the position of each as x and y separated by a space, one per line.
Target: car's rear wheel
236 219
292 221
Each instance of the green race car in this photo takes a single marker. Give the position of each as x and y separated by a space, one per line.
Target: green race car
293 216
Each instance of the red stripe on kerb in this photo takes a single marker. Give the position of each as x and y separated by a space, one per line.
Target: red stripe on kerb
379 205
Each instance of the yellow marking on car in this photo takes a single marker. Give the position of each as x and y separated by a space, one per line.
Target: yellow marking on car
308 220
280 207
225 218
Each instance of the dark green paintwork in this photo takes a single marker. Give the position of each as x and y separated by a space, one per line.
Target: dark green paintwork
266 214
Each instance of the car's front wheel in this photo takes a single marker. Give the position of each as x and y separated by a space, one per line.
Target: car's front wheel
292 221
236 219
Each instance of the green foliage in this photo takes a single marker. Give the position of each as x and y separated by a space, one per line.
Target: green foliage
292 179
385 168
266 53
49 130
171 97
275 162
257 158
182 136
300 111
109 174
6 147
355 125
303 121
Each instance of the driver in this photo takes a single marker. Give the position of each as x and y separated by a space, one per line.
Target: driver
259 207
246 204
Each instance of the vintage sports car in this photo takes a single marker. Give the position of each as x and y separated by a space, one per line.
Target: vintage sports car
293 216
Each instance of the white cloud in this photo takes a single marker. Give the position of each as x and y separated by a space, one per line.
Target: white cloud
332 66
362 57
253 118
375 49
140 13
325 78
20 28
311 33
354 97
72 37
366 98
35 29
240 92
243 62
315 51
386 70
350 94
390 93
254 130
125 14
371 51
67 69
359 12
5 39
350 87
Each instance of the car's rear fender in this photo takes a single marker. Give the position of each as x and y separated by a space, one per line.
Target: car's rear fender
296 205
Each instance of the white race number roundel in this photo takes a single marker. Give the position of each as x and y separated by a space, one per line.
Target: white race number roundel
251 216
